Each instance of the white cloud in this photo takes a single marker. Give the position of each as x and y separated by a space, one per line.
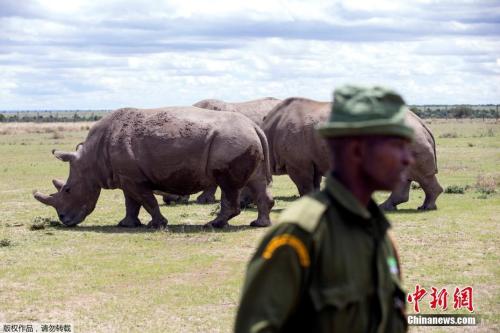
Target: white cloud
108 54
377 6
61 6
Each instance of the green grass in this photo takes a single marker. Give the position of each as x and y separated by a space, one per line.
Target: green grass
185 279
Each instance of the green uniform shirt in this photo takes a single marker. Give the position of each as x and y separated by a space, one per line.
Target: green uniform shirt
327 266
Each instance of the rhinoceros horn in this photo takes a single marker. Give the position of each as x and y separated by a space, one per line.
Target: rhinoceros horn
57 184
64 156
43 198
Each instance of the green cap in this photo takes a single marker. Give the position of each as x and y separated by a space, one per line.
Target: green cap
366 111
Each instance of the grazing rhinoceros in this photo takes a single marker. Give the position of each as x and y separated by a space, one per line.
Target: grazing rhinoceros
256 110
297 150
177 150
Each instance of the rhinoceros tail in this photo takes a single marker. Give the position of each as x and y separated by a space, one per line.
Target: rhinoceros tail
424 125
433 144
265 148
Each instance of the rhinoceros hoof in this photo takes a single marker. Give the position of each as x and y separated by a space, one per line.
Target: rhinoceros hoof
427 207
388 207
260 223
204 201
218 224
130 223
158 224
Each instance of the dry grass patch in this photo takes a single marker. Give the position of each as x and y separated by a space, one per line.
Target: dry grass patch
449 135
486 184
43 128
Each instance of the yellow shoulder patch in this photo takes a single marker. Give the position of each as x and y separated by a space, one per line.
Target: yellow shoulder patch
288 240
305 212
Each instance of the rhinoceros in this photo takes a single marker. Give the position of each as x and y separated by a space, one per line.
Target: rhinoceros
256 110
177 150
297 150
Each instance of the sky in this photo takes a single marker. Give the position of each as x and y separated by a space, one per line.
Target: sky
107 54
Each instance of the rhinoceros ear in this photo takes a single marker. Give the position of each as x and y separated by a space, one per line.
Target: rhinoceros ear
64 156
58 184
43 198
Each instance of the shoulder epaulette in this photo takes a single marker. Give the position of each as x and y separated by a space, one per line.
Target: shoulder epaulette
305 212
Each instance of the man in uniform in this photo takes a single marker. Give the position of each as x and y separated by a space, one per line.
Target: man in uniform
329 265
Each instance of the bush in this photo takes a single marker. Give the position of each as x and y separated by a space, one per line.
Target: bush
462 112
37 226
456 189
415 186
40 223
5 242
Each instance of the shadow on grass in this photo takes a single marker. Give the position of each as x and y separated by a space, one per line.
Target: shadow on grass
189 203
171 228
287 199
254 209
251 207
407 211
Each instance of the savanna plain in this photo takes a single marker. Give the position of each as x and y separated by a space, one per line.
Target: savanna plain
102 278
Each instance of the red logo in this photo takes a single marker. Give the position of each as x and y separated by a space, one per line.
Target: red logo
462 298
416 297
439 299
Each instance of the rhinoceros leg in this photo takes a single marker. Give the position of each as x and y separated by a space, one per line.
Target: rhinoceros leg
399 195
303 178
264 201
146 198
131 219
229 207
432 190
151 205
246 197
208 196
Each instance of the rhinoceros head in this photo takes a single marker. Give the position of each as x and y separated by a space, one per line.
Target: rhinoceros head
76 198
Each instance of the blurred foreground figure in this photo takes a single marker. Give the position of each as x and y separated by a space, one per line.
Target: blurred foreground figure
329 264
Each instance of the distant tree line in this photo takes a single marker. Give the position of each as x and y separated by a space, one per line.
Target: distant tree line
457 111
423 111
49 117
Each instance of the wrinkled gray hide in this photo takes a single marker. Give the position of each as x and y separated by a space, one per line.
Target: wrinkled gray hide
176 150
297 150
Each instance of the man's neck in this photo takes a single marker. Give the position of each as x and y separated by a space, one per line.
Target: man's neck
356 185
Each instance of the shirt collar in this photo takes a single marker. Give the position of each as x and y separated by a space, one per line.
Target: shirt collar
345 197
372 214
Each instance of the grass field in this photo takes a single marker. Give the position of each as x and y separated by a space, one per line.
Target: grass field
105 279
